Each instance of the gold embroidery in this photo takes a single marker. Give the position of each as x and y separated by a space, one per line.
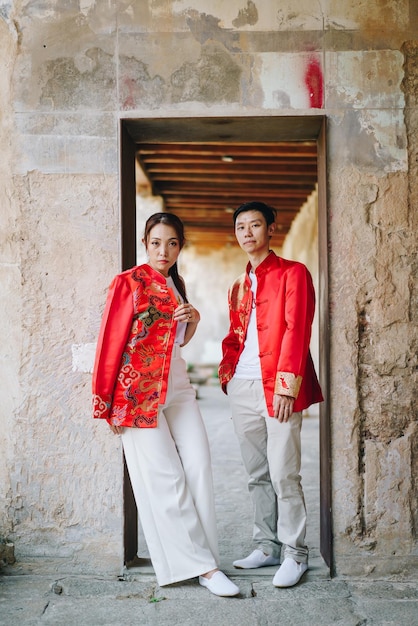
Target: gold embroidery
237 292
287 384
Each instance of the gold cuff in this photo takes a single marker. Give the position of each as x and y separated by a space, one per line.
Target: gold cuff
287 384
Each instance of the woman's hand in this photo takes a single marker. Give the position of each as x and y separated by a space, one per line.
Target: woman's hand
116 430
186 313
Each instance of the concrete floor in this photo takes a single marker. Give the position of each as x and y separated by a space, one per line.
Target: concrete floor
34 593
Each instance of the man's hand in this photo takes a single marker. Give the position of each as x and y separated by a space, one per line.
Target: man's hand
283 407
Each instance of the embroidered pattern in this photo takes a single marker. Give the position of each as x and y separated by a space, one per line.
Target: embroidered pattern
287 384
141 378
237 293
118 415
100 406
127 373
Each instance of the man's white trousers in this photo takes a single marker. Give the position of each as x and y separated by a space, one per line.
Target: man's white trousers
271 453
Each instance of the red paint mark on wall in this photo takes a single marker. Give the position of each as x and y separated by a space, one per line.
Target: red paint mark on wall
314 82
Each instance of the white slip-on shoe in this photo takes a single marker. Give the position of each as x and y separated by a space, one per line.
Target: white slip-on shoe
289 573
219 584
257 558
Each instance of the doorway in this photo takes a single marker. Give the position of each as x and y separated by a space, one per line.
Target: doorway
224 131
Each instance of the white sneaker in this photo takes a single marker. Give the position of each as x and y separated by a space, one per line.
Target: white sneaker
289 573
219 584
256 559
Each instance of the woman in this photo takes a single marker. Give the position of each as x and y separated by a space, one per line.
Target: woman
140 386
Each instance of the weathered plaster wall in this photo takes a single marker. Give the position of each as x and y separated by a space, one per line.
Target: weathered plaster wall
301 244
69 71
10 296
410 86
63 464
372 273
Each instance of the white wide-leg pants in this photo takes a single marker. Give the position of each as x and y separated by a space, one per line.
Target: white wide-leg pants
271 453
171 475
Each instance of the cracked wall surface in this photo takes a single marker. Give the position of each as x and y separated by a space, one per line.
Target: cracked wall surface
69 72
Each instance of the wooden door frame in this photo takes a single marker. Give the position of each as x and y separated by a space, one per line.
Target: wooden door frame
303 128
127 152
325 491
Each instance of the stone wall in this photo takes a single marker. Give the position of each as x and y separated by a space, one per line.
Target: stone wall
373 325
10 280
69 71
410 87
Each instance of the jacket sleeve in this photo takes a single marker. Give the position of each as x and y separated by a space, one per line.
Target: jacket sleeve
114 332
299 313
230 350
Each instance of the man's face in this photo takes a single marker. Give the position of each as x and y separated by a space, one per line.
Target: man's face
252 232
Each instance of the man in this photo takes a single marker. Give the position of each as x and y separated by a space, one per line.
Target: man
268 374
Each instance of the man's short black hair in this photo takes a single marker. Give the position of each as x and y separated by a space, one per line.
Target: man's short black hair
268 211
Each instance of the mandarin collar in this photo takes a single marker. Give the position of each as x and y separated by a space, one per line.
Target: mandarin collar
264 265
155 274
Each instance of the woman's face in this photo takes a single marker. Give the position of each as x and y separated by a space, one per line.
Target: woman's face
163 248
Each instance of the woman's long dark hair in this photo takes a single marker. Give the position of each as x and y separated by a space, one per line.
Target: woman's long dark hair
169 219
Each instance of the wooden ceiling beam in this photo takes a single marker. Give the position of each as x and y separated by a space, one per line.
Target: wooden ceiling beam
261 178
229 193
226 149
178 161
232 169
215 204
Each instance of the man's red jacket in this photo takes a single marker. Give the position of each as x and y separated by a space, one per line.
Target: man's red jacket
285 306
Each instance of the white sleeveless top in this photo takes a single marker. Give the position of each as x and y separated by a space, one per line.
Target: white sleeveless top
181 326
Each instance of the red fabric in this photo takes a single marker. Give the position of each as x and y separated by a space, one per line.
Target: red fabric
134 349
285 305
